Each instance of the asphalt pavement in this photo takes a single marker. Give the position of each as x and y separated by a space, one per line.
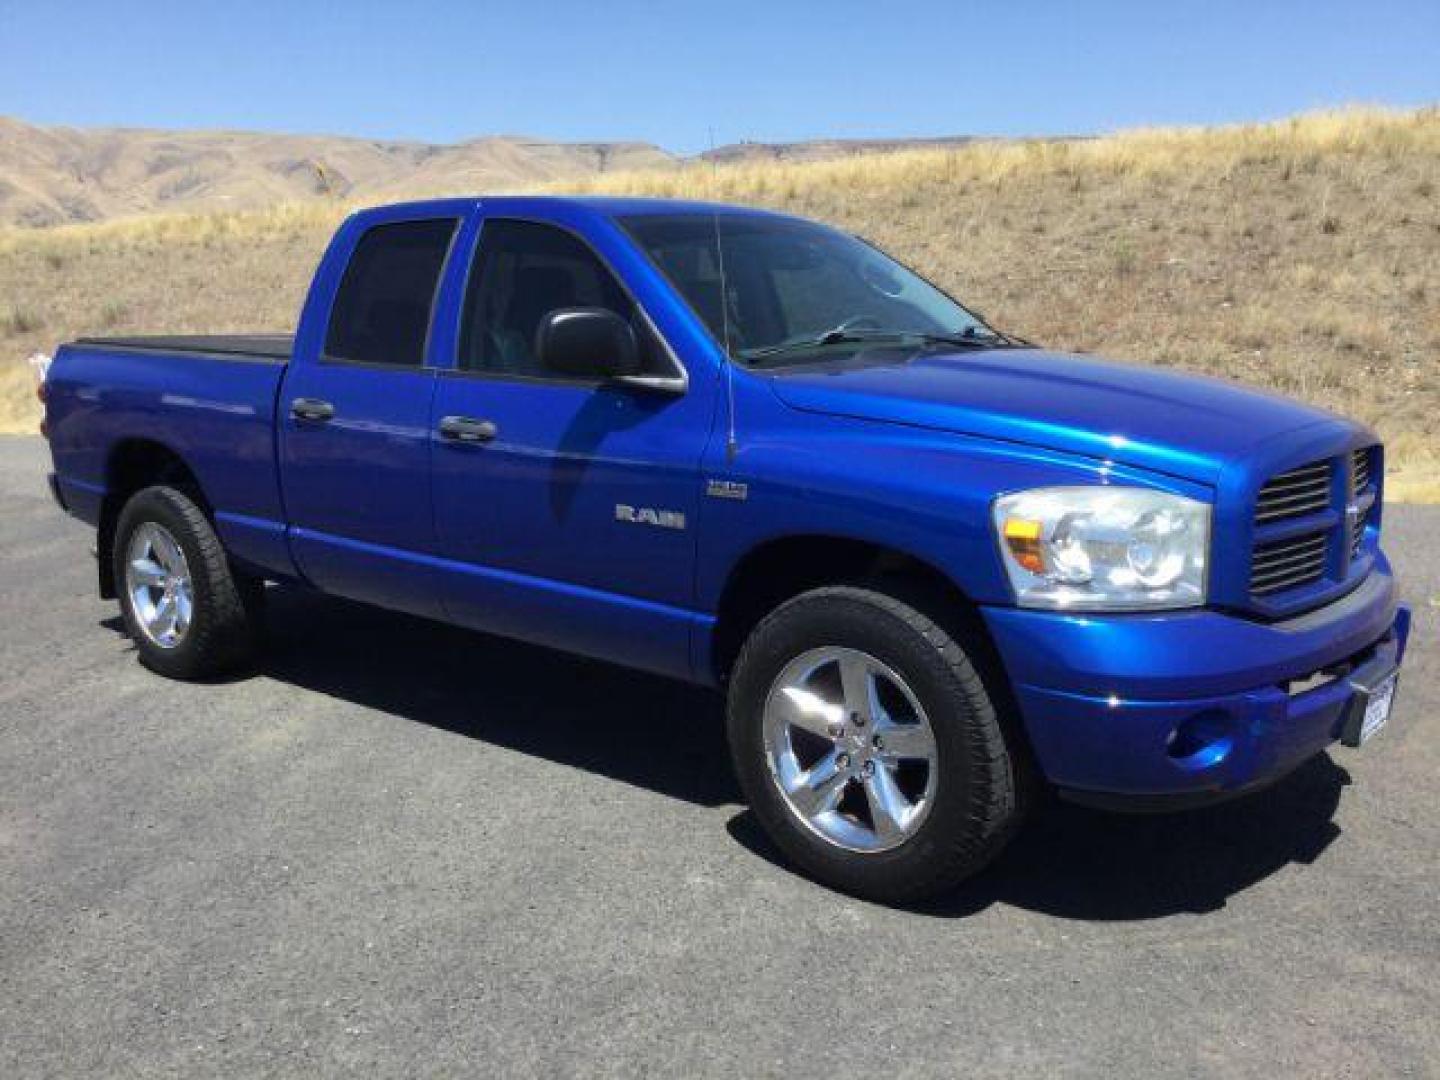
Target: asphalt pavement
399 849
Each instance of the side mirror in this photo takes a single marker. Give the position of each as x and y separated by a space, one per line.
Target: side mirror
588 342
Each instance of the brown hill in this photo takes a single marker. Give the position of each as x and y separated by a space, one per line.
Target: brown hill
823 149
57 175
51 176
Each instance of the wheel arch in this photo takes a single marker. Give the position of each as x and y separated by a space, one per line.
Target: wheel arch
133 464
781 568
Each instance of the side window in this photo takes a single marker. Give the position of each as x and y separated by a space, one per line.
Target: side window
524 271
382 309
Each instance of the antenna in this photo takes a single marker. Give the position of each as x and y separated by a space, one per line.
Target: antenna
730 443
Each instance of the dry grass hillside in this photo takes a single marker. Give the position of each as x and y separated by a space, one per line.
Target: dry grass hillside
1302 255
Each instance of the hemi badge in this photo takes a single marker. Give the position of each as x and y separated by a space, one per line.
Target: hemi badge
727 489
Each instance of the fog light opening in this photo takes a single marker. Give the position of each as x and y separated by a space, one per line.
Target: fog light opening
1201 740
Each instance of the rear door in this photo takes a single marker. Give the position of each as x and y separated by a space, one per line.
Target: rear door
574 512
354 420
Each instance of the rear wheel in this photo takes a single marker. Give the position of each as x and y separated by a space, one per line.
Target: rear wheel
189 613
868 747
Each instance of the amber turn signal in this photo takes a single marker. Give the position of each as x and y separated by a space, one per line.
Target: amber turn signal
1023 539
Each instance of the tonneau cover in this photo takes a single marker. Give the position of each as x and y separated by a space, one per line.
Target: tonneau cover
267 346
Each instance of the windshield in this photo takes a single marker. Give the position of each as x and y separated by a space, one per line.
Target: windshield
794 287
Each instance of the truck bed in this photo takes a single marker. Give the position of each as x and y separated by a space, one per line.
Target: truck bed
208 399
266 348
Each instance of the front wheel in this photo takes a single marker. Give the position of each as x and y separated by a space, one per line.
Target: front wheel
189 613
868 747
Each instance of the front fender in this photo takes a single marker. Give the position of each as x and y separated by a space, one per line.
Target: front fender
921 492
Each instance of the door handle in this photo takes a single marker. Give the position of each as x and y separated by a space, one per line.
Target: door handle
464 429
312 409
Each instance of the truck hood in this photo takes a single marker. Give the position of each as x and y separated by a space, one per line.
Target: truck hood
1185 425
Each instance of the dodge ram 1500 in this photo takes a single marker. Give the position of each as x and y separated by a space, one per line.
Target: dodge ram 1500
932 567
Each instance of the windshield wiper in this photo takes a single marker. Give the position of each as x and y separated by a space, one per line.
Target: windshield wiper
818 341
981 335
841 335
1010 341
988 339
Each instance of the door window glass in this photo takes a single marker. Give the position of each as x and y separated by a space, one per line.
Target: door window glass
524 271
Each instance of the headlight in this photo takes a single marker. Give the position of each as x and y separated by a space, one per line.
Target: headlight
1104 548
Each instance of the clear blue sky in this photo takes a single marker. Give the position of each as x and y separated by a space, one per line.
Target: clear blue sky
672 72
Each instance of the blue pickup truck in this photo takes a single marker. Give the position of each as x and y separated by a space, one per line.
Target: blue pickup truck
935 569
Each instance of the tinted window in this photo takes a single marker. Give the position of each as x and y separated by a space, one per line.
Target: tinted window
382 311
524 271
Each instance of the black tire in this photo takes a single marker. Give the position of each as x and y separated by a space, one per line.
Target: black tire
224 623
977 800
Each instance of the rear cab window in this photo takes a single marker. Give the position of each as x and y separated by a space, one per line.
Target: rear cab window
382 310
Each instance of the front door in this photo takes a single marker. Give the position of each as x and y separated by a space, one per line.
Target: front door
573 504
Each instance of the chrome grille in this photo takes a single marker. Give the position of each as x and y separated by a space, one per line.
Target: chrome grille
1308 531
1357 535
1295 493
1359 482
1360 470
1288 563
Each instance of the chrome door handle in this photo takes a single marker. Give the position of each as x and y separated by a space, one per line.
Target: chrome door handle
464 429
312 409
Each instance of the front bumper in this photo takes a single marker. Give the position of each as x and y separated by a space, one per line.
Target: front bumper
1181 708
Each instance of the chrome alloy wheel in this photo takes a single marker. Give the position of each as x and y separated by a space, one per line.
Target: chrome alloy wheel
850 749
157 578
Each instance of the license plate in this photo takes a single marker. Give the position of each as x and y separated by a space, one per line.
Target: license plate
1377 709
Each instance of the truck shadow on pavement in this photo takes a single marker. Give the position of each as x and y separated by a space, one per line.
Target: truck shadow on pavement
1075 863
668 737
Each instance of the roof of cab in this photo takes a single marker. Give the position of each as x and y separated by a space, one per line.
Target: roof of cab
607 205
629 206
